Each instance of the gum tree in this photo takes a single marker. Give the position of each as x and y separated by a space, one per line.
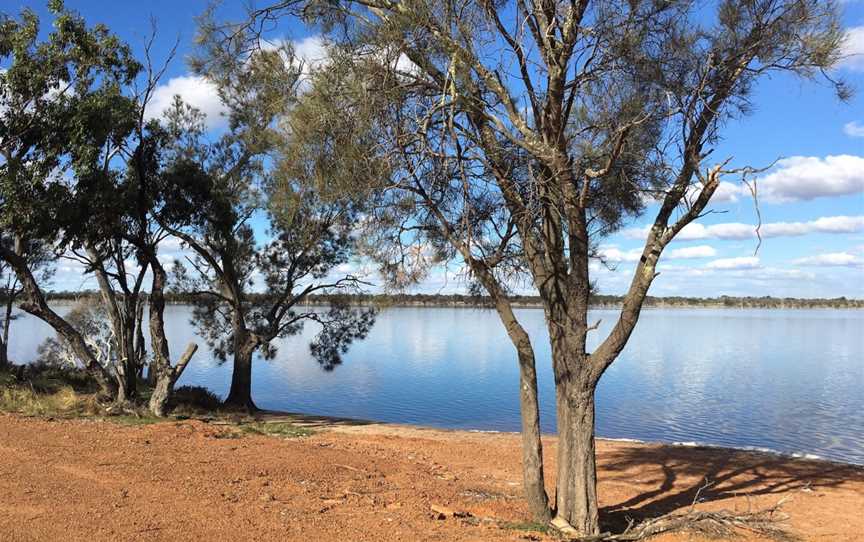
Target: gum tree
61 107
521 133
82 176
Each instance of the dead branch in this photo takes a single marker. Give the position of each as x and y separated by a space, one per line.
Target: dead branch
767 522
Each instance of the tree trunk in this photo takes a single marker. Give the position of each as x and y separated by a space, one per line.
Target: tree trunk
532 447
576 488
533 476
165 377
240 395
140 350
160 371
160 395
151 373
127 381
4 342
4 355
7 321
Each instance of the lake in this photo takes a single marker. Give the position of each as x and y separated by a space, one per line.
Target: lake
791 381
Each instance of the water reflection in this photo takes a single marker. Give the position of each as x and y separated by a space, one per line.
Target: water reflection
792 381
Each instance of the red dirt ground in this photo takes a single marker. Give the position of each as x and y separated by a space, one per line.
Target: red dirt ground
87 480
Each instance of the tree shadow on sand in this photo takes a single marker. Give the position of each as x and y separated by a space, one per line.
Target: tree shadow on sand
689 474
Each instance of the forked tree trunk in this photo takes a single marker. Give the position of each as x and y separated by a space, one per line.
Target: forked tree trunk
160 371
161 394
240 396
165 376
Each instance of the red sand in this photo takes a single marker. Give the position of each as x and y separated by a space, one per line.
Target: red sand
92 480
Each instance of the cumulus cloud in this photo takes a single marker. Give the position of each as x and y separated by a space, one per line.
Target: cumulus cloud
831 259
806 177
800 178
613 254
742 262
853 49
853 129
739 231
195 91
687 253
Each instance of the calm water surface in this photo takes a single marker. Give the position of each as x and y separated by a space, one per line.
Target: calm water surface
785 380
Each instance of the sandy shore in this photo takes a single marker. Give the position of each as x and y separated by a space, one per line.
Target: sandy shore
94 480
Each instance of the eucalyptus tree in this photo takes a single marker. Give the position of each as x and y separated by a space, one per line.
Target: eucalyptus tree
521 133
61 107
223 188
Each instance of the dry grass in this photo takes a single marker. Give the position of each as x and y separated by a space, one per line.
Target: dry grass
65 401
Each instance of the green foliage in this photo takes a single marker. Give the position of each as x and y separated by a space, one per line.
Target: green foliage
61 103
218 186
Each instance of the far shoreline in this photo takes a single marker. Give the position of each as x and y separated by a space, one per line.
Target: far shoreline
457 301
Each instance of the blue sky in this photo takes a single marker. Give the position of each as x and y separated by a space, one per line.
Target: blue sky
811 201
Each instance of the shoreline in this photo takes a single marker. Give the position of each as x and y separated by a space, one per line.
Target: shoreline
276 415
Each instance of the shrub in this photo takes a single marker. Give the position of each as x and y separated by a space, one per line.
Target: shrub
195 399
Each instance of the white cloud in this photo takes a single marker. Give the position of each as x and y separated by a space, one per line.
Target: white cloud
800 178
687 253
739 231
832 259
195 91
613 254
853 49
806 177
728 192
742 262
853 129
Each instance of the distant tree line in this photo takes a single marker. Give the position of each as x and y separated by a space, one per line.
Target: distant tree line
467 300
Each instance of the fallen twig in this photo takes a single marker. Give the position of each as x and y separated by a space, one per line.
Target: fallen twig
767 522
